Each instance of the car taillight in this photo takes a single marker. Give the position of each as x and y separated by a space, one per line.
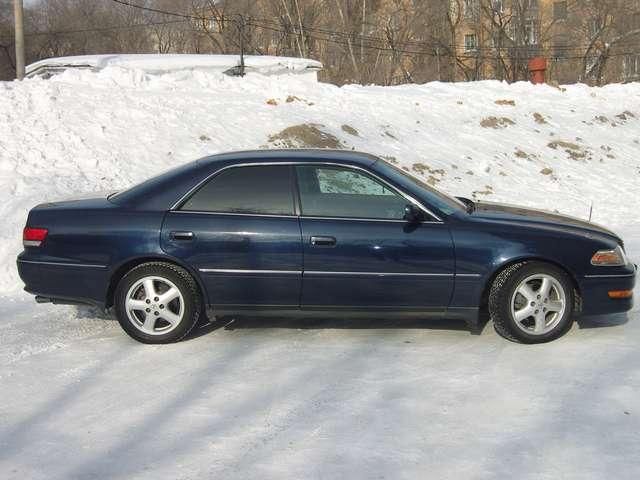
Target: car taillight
33 237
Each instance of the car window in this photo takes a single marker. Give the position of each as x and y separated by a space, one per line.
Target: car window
262 189
334 180
343 192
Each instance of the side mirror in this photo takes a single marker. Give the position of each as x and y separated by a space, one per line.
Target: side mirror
466 201
412 214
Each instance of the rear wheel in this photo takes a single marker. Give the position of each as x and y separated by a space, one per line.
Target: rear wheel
158 302
531 302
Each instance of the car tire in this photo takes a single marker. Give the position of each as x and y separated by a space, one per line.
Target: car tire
158 302
531 302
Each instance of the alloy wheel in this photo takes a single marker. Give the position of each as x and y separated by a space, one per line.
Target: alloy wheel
538 304
154 305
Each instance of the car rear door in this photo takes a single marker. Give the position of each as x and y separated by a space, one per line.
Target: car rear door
360 253
240 232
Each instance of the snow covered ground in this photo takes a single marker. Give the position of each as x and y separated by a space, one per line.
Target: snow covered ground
317 399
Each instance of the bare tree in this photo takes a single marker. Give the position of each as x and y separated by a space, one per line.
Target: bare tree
364 41
7 62
606 25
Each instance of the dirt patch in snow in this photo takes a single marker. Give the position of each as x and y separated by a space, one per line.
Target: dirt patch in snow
522 154
496 122
626 115
539 118
511 103
350 130
424 169
305 135
488 190
575 151
390 135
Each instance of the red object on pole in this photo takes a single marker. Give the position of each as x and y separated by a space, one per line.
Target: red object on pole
537 69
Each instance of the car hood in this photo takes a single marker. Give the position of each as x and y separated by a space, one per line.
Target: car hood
504 212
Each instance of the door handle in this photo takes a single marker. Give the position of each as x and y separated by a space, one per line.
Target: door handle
181 235
323 241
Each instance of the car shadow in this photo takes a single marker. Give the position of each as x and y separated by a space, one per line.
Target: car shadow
209 323
88 312
603 321
230 323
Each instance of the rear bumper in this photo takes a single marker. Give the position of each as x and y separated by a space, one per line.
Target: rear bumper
595 292
60 282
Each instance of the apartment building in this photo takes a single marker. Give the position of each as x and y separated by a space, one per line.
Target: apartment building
591 41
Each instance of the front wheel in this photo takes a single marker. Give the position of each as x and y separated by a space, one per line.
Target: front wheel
157 302
531 302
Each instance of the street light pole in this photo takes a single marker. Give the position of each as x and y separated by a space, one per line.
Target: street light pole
18 13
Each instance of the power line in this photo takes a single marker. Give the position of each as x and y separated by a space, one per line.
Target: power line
156 10
102 29
428 52
297 29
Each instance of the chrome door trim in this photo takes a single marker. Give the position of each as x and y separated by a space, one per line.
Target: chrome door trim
388 220
62 264
199 212
318 272
243 271
379 274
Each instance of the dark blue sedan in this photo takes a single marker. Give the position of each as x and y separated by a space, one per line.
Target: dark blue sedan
318 232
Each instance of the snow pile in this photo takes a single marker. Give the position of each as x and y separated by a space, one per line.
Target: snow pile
540 146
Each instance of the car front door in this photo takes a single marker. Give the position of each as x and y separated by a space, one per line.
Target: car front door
240 232
358 250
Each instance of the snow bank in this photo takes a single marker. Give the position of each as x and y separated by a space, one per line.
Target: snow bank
560 149
160 64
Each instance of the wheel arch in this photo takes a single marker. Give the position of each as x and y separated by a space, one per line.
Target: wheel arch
577 294
126 265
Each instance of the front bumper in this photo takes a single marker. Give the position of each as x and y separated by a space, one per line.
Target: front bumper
595 290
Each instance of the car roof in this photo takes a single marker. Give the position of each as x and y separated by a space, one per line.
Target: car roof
298 155
162 191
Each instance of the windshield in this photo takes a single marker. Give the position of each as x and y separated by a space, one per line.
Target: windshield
437 199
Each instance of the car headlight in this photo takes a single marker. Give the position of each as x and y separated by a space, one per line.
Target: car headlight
609 258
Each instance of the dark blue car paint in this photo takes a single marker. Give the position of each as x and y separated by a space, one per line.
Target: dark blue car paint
233 250
267 262
362 269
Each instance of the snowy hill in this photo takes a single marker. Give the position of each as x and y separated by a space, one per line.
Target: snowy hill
559 149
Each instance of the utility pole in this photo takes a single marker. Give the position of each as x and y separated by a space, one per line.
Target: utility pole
18 13
241 26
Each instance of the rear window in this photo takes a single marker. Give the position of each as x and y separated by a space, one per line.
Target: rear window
262 189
